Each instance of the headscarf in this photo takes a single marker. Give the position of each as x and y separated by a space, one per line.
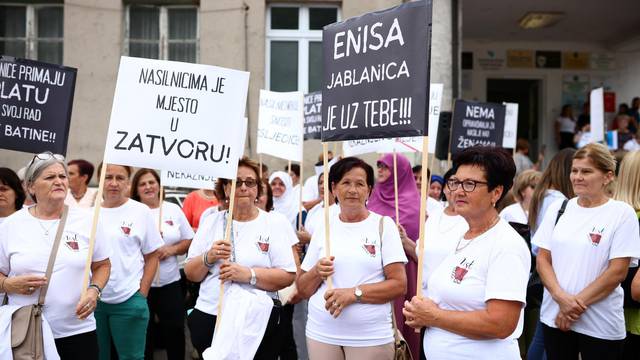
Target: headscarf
288 203
382 199
438 179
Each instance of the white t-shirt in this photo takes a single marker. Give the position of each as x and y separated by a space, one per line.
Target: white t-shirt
433 206
24 249
567 125
631 145
494 265
315 217
132 231
442 232
86 201
264 242
359 260
581 245
175 228
514 213
310 190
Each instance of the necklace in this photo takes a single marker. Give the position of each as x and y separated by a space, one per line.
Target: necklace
493 222
44 228
78 197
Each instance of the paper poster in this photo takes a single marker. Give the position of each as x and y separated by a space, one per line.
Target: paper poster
280 124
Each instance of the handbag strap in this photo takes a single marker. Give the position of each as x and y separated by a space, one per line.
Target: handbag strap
52 256
396 337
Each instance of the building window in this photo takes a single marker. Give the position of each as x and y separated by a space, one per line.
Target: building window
32 32
294 46
162 32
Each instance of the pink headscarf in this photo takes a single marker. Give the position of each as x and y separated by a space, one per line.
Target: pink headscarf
382 199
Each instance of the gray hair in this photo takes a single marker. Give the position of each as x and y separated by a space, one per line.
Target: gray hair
37 166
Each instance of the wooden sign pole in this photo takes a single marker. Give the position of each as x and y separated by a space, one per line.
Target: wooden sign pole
395 184
301 184
94 227
260 166
423 211
227 237
327 242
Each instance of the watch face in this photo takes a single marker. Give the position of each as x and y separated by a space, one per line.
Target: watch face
358 292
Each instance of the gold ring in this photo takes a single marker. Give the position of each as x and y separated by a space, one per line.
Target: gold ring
31 289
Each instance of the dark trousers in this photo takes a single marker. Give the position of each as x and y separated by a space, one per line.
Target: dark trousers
562 345
201 326
288 345
166 304
78 347
631 347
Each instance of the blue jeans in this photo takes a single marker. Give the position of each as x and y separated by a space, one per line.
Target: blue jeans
536 349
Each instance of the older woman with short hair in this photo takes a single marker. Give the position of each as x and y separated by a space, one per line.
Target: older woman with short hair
353 319
586 245
473 309
26 240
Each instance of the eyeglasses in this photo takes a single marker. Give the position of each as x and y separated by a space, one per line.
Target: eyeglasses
248 182
46 156
467 185
381 165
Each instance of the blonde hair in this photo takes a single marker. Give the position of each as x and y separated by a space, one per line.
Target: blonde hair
628 184
525 179
599 155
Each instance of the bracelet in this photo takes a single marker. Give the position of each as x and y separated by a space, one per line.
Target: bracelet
205 262
98 289
254 280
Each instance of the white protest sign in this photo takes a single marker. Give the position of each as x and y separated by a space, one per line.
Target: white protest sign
510 136
281 124
177 116
597 114
319 169
364 146
414 143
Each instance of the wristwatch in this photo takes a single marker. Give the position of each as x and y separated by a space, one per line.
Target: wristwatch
98 290
254 280
358 293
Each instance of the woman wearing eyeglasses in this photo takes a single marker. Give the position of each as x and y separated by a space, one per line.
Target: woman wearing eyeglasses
26 240
123 314
473 309
259 258
165 298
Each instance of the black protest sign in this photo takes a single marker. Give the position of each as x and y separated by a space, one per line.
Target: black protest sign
36 105
376 74
444 132
313 115
476 123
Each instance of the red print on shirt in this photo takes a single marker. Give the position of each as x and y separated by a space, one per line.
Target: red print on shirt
461 270
595 236
126 228
263 244
72 242
169 222
369 247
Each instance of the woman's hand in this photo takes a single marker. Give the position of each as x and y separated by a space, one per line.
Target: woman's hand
165 252
563 322
338 299
420 312
324 267
24 284
570 306
230 271
220 250
303 236
87 303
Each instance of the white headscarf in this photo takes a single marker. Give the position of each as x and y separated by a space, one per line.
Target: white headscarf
289 202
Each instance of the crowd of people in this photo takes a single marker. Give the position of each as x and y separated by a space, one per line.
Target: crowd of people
519 260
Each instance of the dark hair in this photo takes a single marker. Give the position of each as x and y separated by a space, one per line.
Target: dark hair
268 206
448 174
295 168
84 167
246 162
497 164
8 177
416 169
136 179
347 164
127 168
522 144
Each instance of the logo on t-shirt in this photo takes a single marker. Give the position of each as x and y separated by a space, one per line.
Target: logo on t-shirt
461 270
595 236
369 246
126 228
263 244
71 241
169 222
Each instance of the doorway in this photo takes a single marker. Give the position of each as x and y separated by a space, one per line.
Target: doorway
526 93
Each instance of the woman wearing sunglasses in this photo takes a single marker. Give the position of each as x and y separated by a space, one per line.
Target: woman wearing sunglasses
473 309
26 240
259 258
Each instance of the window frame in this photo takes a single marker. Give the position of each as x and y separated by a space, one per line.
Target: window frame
303 36
163 24
31 38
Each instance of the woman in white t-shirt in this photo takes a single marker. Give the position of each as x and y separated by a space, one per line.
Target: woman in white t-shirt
122 315
353 319
26 239
12 194
565 127
582 260
477 293
260 256
165 298
285 200
522 192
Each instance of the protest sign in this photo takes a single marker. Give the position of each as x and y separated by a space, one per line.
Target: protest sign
375 70
177 116
313 115
476 123
414 143
280 124
510 136
37 98
612 140
444 135
597 114
364 146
